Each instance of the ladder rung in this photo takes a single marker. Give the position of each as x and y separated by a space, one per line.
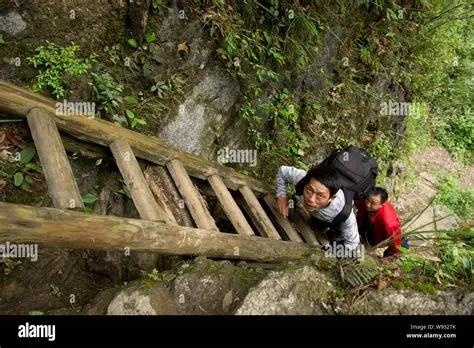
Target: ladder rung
231 208
304 229
317 232
136 183
260 216
191 196
160 198
281 221
62 186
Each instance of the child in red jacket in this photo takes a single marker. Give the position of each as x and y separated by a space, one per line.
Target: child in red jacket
377 221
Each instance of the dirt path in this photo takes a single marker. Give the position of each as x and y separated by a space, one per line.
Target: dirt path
426 164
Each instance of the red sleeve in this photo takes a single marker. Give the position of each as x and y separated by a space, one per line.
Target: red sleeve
393 230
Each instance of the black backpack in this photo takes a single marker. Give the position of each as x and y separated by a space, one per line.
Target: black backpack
356 170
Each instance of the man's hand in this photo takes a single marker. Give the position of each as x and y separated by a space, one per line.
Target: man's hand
282 205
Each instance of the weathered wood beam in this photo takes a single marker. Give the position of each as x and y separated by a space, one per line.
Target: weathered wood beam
281 221
191 195
320 236
62 186
231 209
159 195
50 227
18 101
261 217
135 180
304 229
85 149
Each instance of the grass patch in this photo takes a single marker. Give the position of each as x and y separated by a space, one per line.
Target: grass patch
458 199
408 283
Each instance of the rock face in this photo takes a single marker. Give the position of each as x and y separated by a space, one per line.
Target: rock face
202 118
207 118
304 291
435 218
211 287
410 302
207 287
142 299
204 287
12 23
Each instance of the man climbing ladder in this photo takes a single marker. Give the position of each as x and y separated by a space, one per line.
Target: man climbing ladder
323 198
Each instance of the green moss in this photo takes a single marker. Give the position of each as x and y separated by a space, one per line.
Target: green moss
408 283
251 276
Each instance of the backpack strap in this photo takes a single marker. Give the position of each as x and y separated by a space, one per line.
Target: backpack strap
346 211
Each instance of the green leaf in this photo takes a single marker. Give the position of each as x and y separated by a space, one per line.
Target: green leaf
125 191
18 179
1 39
33 166
89 198
132 42
25 186
28 179
130 114
35 312
140 121
27 154
131 99
150 37
88 210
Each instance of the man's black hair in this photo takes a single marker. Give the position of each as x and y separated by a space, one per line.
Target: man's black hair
378 191
326 175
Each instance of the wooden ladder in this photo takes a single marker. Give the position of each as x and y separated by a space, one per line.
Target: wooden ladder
274 235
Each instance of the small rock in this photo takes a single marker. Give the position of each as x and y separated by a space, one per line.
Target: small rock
12 23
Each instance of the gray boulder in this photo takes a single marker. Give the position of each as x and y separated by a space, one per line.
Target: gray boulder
303 291
412 302
143 299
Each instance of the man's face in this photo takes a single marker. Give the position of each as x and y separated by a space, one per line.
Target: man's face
372 203
316 195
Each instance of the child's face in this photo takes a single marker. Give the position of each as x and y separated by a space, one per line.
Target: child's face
316 195
372 203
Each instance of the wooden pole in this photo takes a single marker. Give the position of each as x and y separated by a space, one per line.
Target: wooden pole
191 196
259 213
18 101
304 229
50 227
62 186
136 183
231 208
284 223
160 197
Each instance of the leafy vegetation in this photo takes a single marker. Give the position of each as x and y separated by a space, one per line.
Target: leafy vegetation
455 265
263 56
458 199
170 88
444 53
21 171
58 65
109 94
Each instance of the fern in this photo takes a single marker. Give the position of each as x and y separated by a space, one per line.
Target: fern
358 275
